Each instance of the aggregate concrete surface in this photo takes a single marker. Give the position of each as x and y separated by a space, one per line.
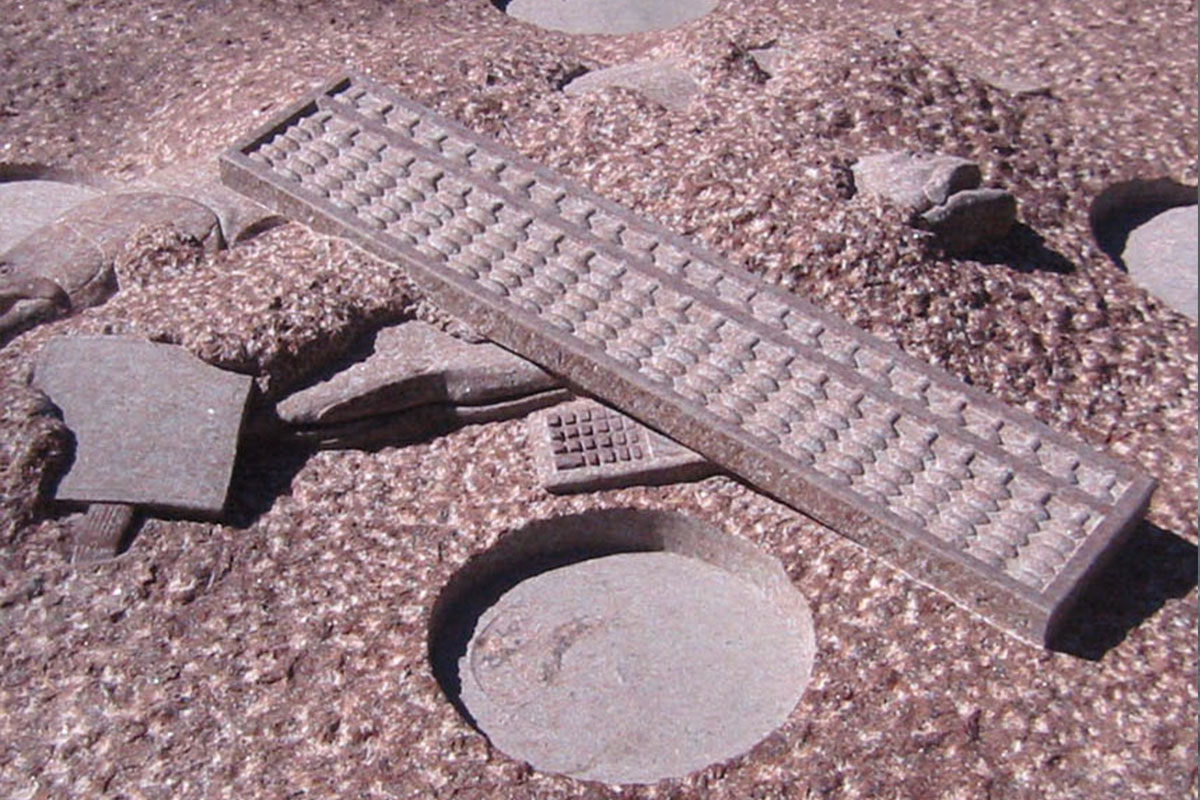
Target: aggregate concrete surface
282 652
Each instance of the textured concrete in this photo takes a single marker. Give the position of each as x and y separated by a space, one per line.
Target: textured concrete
634 667
287 653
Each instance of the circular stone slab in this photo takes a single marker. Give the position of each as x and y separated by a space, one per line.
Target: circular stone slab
607 16
1160 255
635 667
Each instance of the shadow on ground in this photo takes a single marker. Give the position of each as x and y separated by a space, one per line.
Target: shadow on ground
1025 251
1153 567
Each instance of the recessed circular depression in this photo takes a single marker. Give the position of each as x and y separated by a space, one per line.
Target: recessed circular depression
606 16
624 646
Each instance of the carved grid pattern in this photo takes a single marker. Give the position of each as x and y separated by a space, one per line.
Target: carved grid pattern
848 432
594 437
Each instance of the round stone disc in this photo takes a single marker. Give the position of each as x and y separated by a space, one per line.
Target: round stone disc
635 667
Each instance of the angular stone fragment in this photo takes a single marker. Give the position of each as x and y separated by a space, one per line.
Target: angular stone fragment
153 424
414 364
970 218
1160 255
100 532
771 60
914 181
608 16
586 446
661 81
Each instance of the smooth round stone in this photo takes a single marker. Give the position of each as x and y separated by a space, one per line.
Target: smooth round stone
1160 255
26 206
635 667
608 16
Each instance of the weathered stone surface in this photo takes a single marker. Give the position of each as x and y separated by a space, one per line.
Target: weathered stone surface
661 81
77 251
66 257
1160 255
796 401
633 668
915 182
27 205
608 16
109 221
100 531
153 424
415 364
200 181
420 423
586 446
972 217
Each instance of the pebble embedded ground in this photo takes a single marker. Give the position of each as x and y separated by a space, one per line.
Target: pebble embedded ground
287 649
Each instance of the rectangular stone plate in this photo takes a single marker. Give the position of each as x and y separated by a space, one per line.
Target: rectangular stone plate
973 498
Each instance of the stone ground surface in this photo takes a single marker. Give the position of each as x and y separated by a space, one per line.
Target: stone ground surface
283 653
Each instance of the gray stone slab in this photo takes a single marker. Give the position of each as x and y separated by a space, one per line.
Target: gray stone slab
608 16
27 205
634 667
1160 255
974 498
586 446
664 82
915 182
153 424
415 364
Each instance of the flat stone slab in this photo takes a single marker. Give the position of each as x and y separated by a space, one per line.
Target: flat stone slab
661 81
26 206
587 446
415 364
634 667
1160 255
153 424
976 499
608 16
